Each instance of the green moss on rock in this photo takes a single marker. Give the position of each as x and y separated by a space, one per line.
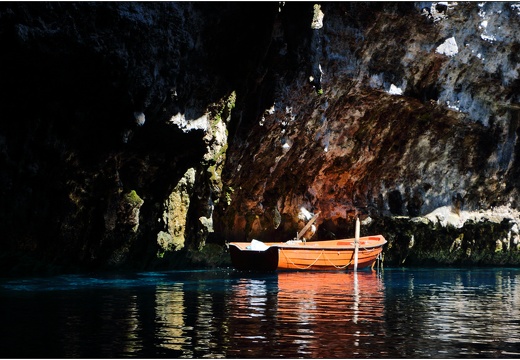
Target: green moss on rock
133 199
416 243
211 255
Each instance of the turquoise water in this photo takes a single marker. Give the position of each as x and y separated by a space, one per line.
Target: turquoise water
393 313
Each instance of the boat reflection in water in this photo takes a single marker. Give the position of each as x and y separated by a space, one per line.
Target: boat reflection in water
312 314
398 313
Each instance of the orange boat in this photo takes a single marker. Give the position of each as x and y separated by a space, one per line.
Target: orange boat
306 255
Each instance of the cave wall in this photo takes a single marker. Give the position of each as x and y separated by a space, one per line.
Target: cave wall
138 135
398 113
113 129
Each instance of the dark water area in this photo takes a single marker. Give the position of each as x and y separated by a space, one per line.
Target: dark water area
392 313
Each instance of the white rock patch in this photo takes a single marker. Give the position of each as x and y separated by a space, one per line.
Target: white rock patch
394 90
448 48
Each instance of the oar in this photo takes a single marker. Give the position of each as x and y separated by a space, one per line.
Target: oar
306 227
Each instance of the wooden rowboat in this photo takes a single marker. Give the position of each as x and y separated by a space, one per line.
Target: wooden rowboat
306 255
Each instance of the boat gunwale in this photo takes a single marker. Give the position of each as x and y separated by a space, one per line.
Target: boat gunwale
318 248
315 245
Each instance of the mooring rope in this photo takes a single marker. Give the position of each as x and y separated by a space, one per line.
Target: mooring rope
315 261
339 267
298 267
378 258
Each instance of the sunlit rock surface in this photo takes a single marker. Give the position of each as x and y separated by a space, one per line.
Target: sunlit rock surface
415 110
150 134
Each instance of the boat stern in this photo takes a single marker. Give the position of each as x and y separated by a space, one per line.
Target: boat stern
243 258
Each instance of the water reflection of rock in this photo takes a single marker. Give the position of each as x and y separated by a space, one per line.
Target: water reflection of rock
332 314
190 322
469 313
463 306
170 314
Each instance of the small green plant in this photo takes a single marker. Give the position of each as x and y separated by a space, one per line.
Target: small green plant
225 108
229 191
133 199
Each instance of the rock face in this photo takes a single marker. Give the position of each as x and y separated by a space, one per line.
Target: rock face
138 134
113 133
388 112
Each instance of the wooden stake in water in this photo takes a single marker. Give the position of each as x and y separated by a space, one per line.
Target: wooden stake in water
356 244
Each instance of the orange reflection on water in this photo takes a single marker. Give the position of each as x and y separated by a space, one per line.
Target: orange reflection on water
319 294
316 314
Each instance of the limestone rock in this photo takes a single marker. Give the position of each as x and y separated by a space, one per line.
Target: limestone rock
227 118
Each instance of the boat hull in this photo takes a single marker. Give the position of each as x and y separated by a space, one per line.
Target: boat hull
266 260
315 255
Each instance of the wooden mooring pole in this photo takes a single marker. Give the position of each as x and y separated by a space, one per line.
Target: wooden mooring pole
356 244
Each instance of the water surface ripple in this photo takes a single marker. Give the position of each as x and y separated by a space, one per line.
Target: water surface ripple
393 313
